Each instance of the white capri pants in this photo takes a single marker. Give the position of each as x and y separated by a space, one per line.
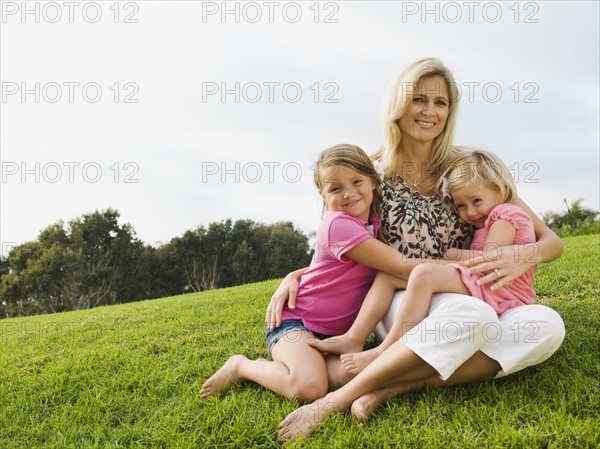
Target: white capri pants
457 326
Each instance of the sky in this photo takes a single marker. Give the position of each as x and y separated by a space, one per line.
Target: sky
183 113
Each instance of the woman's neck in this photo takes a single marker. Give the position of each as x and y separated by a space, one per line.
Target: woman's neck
413 162
416 152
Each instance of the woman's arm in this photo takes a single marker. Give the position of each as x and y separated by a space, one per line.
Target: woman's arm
514 260
549 245
286 291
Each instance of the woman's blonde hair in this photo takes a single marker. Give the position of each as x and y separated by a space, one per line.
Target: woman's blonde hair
475 165
353 157
398 97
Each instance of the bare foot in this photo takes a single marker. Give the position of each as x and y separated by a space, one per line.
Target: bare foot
364 406
303 421
357 361
224 378
337 345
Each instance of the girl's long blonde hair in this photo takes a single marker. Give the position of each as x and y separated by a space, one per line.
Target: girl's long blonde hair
353 157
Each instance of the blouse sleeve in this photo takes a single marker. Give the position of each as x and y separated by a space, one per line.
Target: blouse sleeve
345 232
511 213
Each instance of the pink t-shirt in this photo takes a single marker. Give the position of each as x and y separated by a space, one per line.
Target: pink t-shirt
520 292
334 286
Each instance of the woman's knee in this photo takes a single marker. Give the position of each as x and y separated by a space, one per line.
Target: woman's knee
540 324
554 324
551 330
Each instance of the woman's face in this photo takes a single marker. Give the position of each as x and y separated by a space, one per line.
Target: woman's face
426 116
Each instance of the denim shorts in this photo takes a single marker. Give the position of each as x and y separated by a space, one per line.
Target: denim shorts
288 326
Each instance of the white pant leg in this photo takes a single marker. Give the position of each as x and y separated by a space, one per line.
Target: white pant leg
452 332
458 325
526 336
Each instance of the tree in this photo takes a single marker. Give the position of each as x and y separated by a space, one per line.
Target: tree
243 263
196 256
32 285
575 221
227 253
4 268
288 250
93 261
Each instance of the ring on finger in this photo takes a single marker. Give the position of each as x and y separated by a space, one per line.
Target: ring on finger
497 271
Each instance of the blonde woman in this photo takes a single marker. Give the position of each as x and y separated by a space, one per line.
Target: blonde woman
419 113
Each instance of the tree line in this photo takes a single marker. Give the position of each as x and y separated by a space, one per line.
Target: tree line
94 260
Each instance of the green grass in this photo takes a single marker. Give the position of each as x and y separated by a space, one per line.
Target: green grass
128 376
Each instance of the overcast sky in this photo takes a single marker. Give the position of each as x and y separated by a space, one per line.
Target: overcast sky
182 113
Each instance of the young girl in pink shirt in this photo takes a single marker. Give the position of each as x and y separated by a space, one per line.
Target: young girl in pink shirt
346 259
482 189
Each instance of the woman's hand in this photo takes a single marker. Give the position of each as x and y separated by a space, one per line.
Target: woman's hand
286 291
504 264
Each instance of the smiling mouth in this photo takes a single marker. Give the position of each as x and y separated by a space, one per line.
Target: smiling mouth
425 124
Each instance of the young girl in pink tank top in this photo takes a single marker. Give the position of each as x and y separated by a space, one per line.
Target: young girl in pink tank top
346 259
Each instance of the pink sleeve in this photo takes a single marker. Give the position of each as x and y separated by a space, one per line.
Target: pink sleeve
511 213
345 232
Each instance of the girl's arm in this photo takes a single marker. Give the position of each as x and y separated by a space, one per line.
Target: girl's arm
382 257
501 233
370 252
514 260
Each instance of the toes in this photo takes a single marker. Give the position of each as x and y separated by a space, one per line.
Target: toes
315 342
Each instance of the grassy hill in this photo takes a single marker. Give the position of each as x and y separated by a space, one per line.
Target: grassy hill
129 375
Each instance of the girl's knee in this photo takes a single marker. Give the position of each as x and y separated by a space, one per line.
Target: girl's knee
309 389
423 272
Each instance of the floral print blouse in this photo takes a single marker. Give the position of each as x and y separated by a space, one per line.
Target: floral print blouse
419 226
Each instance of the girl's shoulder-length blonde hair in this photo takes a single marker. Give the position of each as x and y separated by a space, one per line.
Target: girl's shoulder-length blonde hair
355 158
476 165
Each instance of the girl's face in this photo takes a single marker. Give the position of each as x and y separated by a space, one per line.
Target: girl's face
426 116
345 189
474 202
